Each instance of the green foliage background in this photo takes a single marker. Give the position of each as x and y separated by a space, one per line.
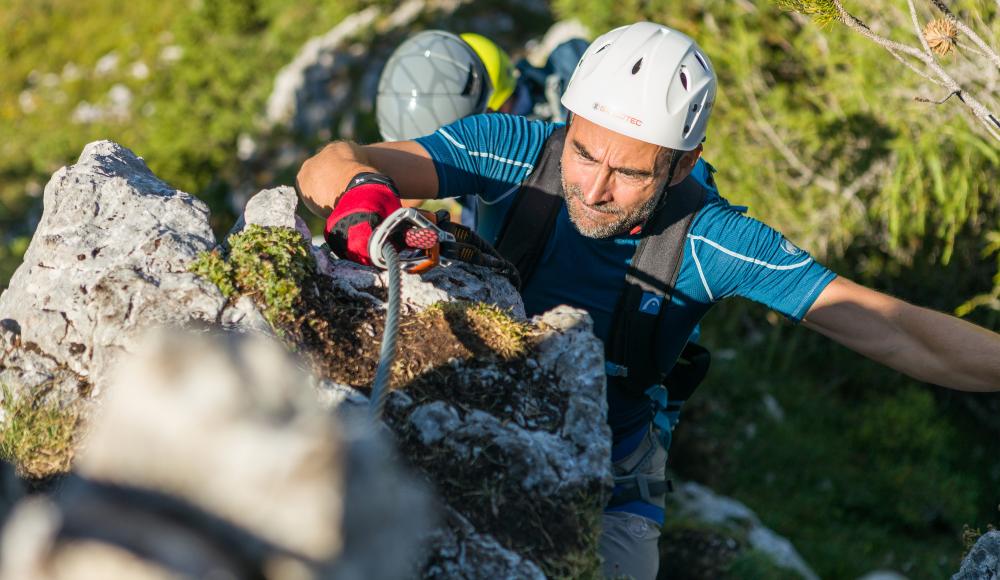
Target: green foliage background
865 469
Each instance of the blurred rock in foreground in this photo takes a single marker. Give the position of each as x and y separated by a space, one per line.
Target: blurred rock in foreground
211 459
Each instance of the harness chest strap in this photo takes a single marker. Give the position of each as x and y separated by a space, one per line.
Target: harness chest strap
532 216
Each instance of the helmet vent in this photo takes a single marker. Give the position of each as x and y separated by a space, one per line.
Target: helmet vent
637 66
684 78
470 81
701 61
602 48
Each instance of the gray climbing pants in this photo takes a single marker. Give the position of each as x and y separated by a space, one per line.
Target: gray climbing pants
629 543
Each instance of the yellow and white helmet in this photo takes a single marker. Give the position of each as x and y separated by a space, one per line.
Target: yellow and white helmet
498 67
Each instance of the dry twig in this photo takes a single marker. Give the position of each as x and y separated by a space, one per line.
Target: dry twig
937 75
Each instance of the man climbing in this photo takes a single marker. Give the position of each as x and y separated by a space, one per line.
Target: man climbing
610 214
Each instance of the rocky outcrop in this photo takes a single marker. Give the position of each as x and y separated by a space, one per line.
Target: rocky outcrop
109 258
302 98
983 560
503 417
706 533
528 429
532 472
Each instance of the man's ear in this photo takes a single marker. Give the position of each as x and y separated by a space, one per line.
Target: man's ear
691 157
686 164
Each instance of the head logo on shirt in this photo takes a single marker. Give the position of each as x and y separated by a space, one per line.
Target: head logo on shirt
650 303
788 247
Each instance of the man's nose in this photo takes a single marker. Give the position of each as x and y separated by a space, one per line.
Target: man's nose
597 189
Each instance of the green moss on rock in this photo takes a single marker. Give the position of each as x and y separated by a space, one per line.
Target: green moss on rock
268 264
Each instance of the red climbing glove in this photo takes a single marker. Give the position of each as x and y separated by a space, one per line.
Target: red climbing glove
368 199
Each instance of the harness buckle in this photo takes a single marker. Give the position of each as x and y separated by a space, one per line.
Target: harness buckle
639 486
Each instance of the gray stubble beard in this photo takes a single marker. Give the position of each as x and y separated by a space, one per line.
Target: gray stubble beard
625 222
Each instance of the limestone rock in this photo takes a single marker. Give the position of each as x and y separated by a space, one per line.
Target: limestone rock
446 283
452 280
272 208
539 50
542 460
546 454
459 552
243 314
226 437
109 258
983 560
738 526
301 96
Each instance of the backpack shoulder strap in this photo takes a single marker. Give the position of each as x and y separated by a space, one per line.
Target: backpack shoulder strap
531 218
649 285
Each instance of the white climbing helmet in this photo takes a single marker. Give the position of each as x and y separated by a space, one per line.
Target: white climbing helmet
645 81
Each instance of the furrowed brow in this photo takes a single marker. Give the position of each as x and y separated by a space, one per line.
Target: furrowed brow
629 171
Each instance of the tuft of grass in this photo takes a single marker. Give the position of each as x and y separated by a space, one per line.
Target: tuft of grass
267 264
38 436
493 325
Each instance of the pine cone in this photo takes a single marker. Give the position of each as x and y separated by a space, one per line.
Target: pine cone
941 35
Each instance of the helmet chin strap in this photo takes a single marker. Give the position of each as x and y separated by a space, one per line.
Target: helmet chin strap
674 162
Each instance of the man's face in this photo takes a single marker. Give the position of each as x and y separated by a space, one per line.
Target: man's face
610 181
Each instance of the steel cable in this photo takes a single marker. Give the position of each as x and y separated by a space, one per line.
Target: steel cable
387 355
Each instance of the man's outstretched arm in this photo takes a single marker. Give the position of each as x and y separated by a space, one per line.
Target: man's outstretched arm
324 176
927 345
